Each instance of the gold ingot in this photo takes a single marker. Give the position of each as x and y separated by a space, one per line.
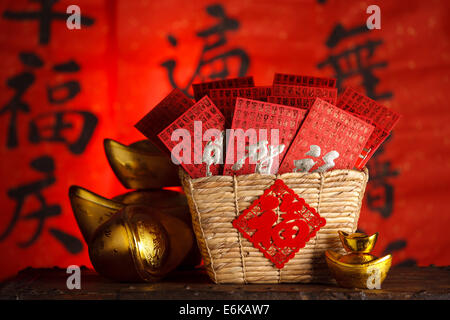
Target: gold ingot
114 254
181 239
91 210
358 269
358 242
141 165
131 246
168 201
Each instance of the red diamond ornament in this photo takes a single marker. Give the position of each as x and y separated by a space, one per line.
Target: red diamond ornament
279 223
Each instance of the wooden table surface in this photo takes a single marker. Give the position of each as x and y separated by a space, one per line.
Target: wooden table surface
401 283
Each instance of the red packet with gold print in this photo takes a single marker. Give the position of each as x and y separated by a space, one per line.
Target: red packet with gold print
263 133
329 138
307 81
381 117
163 114
329 94
200 150
202 89
225 99
304 103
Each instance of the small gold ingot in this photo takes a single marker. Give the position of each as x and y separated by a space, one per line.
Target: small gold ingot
141 165
358 269
358 242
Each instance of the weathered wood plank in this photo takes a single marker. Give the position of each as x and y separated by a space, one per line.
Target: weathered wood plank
401 283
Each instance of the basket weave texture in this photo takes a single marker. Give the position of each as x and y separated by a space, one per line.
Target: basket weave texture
216 201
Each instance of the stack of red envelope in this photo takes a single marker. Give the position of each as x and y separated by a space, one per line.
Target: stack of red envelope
299 124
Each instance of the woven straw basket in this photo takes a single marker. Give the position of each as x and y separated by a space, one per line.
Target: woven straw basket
230 258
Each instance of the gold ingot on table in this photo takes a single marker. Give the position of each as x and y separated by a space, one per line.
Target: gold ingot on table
358 268
141 165
122 238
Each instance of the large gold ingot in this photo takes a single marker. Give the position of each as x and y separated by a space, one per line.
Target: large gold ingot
141 165
122 239
91 210
131 246
181 239
167 201
358 269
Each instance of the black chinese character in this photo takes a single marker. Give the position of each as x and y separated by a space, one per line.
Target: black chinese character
355 61
20 84
339 33
44 16
56 94
380 192
20 194
214 38
399 245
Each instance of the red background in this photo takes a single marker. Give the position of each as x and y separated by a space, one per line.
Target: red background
121 78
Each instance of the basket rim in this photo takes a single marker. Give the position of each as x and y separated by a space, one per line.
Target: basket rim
364 171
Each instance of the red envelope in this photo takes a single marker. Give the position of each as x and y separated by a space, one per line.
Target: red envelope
330 94
329 138
381 117
225 99
163 114
307 81
263 154
304 103
202 89
199 157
